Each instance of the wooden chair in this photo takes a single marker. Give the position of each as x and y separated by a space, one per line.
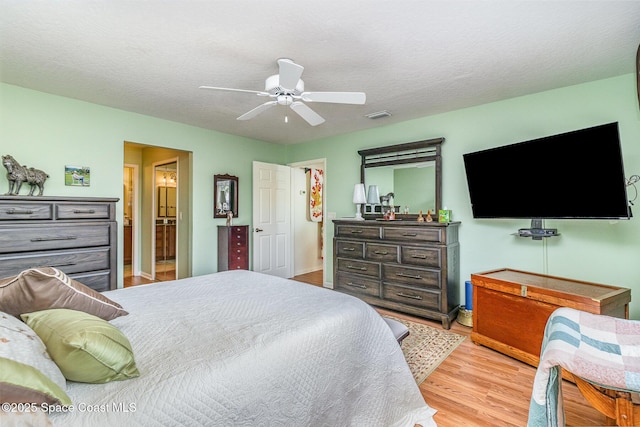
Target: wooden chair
621 408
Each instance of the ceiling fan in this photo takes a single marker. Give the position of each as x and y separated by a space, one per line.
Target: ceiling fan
286 88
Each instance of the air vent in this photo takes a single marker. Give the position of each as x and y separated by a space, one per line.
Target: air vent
378 114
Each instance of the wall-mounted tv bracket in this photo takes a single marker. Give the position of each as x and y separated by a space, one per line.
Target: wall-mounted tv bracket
537 231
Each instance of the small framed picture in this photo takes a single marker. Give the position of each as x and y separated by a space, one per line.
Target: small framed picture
77 176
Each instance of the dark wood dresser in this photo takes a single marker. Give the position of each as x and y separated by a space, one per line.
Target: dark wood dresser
233 247
77 235
407 266
511 308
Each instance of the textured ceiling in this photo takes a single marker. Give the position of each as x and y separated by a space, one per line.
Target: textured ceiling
412 58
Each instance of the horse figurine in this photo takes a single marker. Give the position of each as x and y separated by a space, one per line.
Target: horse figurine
17 174
386 198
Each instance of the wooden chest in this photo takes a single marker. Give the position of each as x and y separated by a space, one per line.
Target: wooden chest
233 247
511 308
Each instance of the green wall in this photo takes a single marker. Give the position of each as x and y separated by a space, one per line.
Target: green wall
48 132
590 250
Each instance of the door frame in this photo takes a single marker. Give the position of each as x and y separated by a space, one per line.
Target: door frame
136 218
154 202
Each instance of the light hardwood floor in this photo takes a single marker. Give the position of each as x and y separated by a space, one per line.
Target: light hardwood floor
164 272
476 386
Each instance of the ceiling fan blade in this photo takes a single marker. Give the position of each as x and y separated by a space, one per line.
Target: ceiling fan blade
290 73
259 109
257 92
335 97
313 118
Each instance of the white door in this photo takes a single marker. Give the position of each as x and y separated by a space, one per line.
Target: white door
272 235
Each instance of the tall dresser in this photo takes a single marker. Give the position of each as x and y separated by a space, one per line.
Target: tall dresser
233 247
407 266
77 235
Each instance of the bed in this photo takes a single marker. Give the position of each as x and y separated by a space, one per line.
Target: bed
243 348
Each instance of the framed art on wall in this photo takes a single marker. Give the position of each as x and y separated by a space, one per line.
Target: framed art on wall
77 176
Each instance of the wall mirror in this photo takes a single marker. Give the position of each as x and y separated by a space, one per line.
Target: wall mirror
225 195
411 171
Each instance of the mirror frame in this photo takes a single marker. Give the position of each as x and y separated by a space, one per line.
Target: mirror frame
399 154
217 179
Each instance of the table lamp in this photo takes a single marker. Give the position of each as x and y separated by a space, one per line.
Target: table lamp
359 198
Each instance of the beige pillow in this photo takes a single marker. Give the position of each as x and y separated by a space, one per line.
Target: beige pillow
27 373
43 288
86 348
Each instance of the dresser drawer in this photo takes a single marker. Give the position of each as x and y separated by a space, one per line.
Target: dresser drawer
348 249
382 253
357 285
411 276
421 298
238 236
45 237
96 280
427 257
413 234
25 211
357 232
76 211
69 261
360 267
238 259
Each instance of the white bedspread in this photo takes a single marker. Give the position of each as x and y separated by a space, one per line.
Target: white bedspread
242 348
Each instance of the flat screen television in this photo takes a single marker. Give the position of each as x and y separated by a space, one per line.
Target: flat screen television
577 175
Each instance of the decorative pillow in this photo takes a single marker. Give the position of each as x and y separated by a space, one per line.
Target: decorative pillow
25 419
43 288
27 373
86 348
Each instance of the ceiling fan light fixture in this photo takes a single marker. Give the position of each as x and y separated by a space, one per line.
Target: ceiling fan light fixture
287 89
378 115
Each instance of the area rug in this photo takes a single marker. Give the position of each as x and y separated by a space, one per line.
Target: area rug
425 348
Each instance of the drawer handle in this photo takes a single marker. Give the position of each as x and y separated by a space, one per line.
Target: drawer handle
356 231
419 256
13 211
410 276
348 249
381 252
353 267
402 294
84 211
46 239
410 234
356 285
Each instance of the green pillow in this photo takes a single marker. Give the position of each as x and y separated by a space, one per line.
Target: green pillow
86 348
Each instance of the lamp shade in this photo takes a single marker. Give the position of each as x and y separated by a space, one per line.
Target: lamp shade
373 197
358 194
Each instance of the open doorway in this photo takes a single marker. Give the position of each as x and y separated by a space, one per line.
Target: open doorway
308 217
166 202
160 217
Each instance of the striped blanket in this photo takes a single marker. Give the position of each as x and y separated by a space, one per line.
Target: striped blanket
601 349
